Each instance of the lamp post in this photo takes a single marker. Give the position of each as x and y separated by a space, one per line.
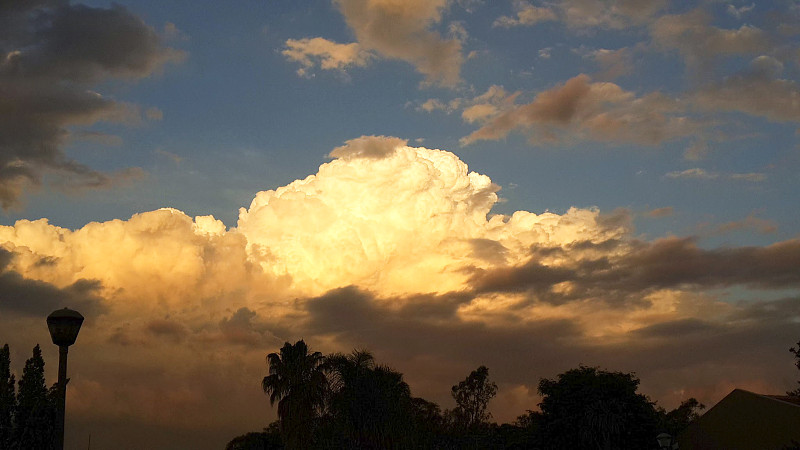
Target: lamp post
64 325
665 442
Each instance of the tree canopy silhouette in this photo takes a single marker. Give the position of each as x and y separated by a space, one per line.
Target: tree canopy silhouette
370 402
348 401
472 398
297 382
592 408
8 399
796 352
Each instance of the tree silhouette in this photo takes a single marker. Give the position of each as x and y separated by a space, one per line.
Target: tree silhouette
8 399
472 397
371 403
678 419
796 352
35 413
297 382
591 408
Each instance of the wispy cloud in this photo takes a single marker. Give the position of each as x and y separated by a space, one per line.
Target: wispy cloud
702 174
325 54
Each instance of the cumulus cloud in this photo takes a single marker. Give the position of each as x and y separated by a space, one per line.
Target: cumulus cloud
402 30
38 298
325 54
51 56
587 110
387 241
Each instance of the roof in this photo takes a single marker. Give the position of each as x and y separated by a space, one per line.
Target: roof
747 421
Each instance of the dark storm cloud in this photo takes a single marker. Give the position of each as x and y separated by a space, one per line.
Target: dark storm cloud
166 328
407 335
51 55
671 356
37 298
644 267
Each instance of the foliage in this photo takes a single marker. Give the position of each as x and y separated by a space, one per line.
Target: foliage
348 401
472 397
8 399
370 404
36 411
297 382
591 408
269 439
796 352
675 421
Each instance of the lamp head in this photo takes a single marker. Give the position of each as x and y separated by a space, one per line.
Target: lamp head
64 325
664 440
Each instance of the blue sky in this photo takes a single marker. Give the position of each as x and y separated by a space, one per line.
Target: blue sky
659 140
241 120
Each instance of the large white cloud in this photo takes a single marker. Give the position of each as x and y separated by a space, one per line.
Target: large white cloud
390 247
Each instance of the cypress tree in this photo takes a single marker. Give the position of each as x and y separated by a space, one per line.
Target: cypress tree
8 399
35 413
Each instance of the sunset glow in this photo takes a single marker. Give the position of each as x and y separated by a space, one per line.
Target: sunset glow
524 185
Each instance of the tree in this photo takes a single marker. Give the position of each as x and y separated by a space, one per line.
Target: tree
472 397
590 408
35 415
8 399
269 439
297 382
796 352
370 403
678 419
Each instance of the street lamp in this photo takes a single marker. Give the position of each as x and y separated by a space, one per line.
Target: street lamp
665 442
64 325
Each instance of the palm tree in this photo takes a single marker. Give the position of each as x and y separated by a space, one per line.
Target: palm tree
371 403
297 382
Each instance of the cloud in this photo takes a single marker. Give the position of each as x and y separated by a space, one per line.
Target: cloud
433 104
613 63
581 109
584 14
738 12
368 147
393 248
51 55
696 172
402 30
702 174
526 15
38 298
757 91
751 222
325 54
661 212
608 14
692 35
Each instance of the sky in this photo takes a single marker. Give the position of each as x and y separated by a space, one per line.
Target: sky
525 185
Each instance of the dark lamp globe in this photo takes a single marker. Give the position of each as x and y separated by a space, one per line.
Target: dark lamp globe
64 325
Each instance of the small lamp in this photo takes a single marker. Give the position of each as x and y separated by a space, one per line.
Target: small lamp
664 441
